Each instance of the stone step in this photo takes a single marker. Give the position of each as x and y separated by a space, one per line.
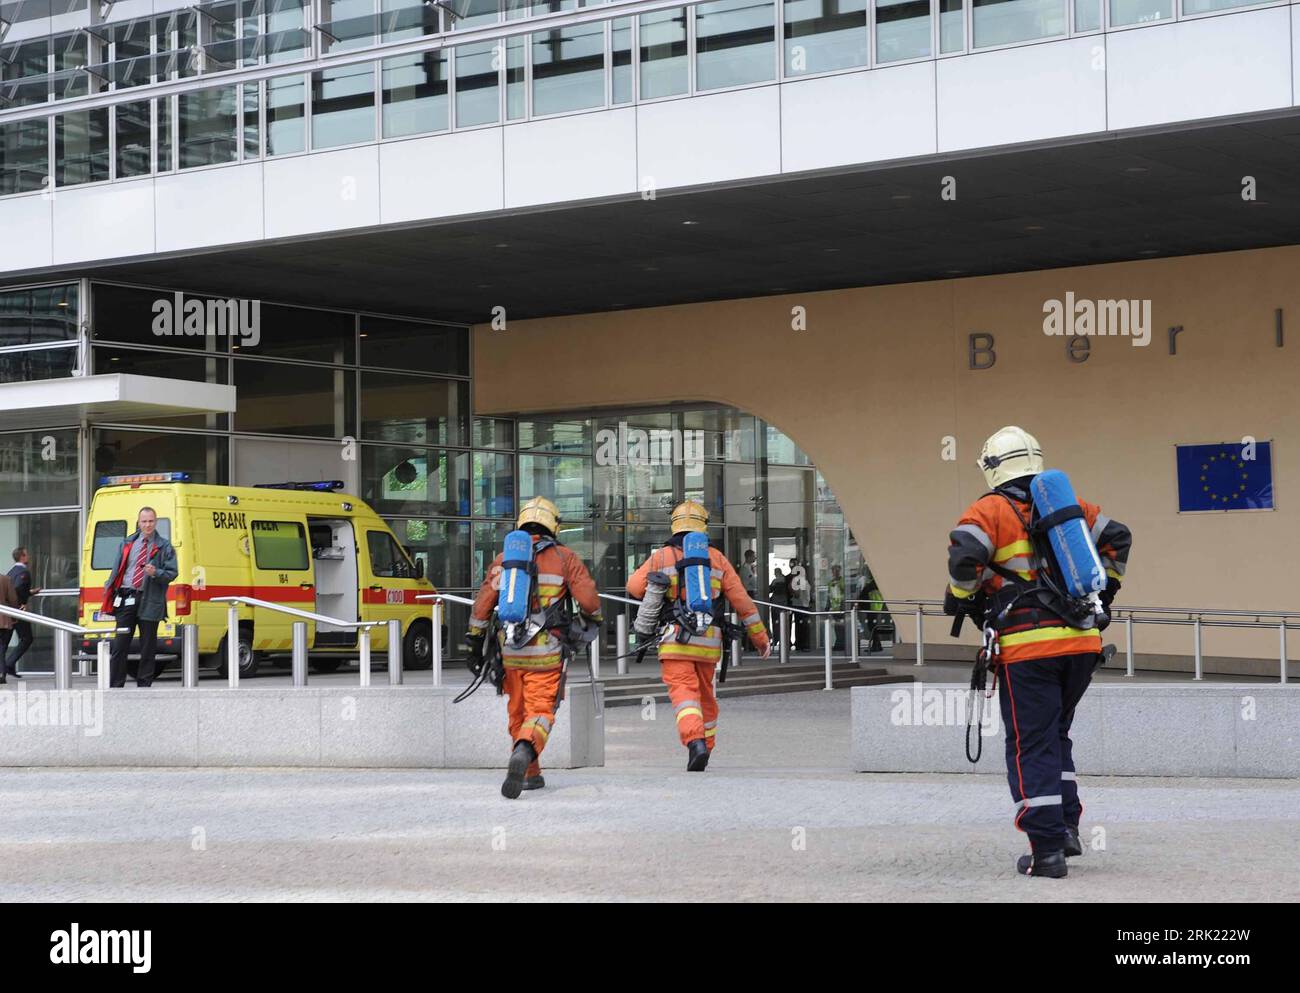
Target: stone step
624 692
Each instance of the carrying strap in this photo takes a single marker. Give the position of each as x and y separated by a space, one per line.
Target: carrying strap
1045 524
1052 602
530 566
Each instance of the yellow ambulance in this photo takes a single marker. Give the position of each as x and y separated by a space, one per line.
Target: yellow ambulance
301 545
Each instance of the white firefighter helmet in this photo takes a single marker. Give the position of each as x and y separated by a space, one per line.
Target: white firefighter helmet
1010 453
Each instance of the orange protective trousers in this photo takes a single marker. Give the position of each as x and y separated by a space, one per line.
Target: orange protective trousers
690 688
531 697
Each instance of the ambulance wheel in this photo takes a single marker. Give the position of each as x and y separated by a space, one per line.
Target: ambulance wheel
248 660
417 646
326 665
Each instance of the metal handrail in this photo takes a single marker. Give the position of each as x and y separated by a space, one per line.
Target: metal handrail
435 601
1195 617
63 632
761 603
49 622
1127 609
445 596
801 610
620 599
299 641
922 608
306 615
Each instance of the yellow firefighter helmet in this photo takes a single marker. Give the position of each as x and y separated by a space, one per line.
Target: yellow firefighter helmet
690 515
540 510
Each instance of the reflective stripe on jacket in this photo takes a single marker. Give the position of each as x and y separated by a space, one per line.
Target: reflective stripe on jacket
992 532
559 573
724 581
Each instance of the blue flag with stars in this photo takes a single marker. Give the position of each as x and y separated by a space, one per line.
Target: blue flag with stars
1225 476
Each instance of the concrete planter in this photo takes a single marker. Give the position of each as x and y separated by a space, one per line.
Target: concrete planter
1226 730
400 726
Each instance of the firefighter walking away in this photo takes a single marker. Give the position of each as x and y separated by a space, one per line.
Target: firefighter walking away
1038 568
684 588
526 604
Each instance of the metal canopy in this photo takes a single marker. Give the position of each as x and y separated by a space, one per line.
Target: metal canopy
116 397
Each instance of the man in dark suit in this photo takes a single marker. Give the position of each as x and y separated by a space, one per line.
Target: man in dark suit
21 578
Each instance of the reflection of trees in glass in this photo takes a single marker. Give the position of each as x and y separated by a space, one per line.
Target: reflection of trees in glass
408 476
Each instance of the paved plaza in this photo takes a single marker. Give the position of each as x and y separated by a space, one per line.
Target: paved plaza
777 816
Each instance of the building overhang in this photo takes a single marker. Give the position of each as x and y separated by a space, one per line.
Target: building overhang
1175 190
114 397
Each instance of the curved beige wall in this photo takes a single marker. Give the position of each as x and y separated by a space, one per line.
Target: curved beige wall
879 378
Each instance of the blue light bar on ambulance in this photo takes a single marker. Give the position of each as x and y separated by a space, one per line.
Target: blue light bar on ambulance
319 486
145 477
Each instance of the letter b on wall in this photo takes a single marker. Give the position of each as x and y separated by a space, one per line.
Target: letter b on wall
981 354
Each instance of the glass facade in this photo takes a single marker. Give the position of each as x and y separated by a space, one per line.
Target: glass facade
38 333
616 477
902 30
312 378
1005 22
824 35
735 43
568 69
480 81
1125 12
323 388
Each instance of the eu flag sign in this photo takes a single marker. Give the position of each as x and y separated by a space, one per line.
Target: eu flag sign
1228 476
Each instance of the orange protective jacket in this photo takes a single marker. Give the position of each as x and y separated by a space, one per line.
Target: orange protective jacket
991 531
559 573
706 647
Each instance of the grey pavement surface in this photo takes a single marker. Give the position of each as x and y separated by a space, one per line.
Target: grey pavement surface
776 817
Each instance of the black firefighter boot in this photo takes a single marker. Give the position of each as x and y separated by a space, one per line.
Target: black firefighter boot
1073 846
537 782
697 755
1043 862
520 759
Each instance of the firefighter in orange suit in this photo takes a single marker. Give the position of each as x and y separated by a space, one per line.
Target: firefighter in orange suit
687 666
533 672
1045 661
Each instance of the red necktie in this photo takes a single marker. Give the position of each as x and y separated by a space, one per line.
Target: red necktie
137 578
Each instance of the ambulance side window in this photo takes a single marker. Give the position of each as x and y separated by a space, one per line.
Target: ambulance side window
108 536
280 545
387 560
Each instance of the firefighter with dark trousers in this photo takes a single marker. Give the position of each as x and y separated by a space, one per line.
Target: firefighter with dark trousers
1044 662
687 664
534 671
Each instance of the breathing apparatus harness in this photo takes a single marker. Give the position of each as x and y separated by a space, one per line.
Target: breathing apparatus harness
1048 595
681 623
1047 599
569 627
